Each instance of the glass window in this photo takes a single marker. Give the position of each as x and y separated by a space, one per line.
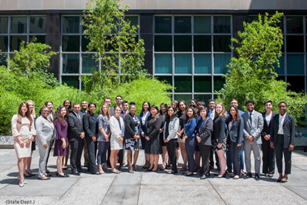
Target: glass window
3 44
218 83
202 24
19 24
163 63
166 79
183 63
202 84
202 63
281 69
3 60
71 81
202 43
70 43
85 42
294 24
163 24
134 20
39 39
204 98
220 63
163 43
183 84
295 44
38 24
297 83
250 19
186 98
71 24
89 63
295 64
182 24
221 43
183 43
3 25
70 63
16 41
221 24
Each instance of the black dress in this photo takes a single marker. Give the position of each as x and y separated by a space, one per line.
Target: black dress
161 134
153 146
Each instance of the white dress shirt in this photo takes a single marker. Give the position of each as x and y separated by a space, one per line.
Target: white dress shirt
281 123
268 118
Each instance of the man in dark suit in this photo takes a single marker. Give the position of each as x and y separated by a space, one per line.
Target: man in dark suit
75 136
282 139
84 106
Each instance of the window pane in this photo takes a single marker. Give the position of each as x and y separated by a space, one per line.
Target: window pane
39 39
3 59
202 63
183 43
202 24
218 83
183 84
182 24
183 63
163 43
220 62
281 69
3 24
163 24
295 64
221 24
202 43
202 84
297 83
89 63
163 63
133 20
71 81
19 24
85 42
15 42
70 43
3 43
250 19
38 24
204 98
295 43
222 43
294 24
70 63
186 98
71 24
166 79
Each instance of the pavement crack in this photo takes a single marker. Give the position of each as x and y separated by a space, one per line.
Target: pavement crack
108 189
217 192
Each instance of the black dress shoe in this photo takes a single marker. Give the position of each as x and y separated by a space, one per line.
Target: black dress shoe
75 173
149 170
248 175
257 177
203 176
97 173
81 170
60 175
175 172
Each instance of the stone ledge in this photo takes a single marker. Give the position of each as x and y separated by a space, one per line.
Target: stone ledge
6 142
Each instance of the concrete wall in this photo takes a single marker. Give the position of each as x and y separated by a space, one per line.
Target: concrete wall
160 4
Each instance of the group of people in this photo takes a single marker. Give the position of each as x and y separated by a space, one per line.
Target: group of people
194 131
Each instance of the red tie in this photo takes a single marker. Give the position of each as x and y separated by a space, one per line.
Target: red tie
125 114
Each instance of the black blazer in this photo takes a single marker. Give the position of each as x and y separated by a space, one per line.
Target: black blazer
236 132
130 126
75 126
204 131
122 115
90 126
153 128
266 128
289 130
219 128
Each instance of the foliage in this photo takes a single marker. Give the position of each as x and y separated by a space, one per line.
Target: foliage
113 38
251 73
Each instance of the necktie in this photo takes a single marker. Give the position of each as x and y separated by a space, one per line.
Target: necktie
125 114
250 118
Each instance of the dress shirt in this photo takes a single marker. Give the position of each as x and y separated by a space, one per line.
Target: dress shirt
144 117
211 114
268 118
281 123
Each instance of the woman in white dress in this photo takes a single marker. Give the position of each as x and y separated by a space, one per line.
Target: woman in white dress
117 127
22 131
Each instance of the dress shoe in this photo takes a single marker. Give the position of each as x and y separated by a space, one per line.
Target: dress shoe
248 175
75 173
130 170
284 180
236 177
203 176
174 172
61 175
257 177
115 171
81 170
149 170
97 173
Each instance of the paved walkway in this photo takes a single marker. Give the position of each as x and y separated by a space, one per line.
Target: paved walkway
148 188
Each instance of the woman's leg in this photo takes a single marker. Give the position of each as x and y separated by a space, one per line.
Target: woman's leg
151 160
135 157
197 160
65 159
99 155
104 155
156 161
222 160
28 167
164 156
21 169
190 147
183 155
113 159
59 164
177 155
129 157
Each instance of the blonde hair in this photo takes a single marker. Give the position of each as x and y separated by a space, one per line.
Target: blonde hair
108 110
223 111
33 111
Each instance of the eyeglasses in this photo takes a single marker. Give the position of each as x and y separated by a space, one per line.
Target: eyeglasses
45 110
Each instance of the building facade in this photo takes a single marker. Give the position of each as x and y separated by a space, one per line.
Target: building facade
186 42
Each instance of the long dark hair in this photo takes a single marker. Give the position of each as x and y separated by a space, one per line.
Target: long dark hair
167 117
157 115
69 108
163 104
148 106
185 103
187 118
58 116
27 114
237 116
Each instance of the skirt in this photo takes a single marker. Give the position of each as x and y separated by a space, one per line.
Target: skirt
215 143
33 146
132 144
58 149
25 151
180 140
115 144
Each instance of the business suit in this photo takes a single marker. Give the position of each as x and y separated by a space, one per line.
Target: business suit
85 150
282 142
204 131
211 114
50 117
235 137
252 128
153 146
143 128
190 142
75 128
90 124
121 153
268 155
132 128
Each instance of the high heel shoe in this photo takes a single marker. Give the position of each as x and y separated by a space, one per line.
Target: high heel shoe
21 183
221 175
149 170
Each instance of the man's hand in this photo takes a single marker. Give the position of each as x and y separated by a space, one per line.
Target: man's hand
166 141
147 138
45 146
291 147
272 145
267 137
94 138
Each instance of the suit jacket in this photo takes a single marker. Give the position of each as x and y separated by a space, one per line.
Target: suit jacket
255 128
75 126
289 130
266 128
90 125
44 130
117 131
153 128
122 115
236 132
204 131
219 128
130 126
143 127
173 128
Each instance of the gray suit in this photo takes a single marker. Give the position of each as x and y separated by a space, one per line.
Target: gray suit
252 128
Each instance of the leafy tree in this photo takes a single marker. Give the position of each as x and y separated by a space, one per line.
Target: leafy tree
251 73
